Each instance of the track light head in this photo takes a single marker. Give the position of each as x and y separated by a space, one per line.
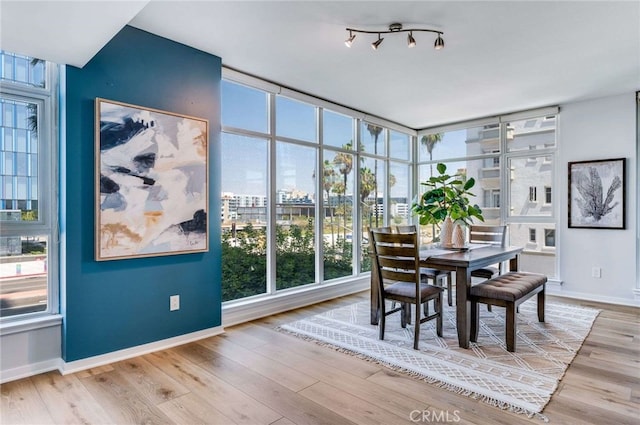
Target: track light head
349 41
411 42
439 44
377 43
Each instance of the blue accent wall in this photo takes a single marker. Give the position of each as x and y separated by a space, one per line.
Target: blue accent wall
113 305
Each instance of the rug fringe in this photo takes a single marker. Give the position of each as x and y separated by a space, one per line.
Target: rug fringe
433 381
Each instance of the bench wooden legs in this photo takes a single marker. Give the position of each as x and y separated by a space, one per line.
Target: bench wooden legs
510 326
510 319
541 306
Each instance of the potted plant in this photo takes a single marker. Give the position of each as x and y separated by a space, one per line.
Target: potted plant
446 202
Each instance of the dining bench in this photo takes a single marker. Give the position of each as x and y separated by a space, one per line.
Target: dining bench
508 290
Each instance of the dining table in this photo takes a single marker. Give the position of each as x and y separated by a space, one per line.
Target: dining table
462 262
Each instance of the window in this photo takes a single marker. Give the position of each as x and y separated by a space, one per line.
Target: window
338 207
294 119
515 156
491 198
244 107
459 143
295 215
526 177
550 238
293 193
28 154
547 195
244 216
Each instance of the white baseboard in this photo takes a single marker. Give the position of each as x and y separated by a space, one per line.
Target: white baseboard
595 298
29 370
116 356
234 313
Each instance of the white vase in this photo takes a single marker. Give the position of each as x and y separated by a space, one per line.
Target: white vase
446 232
459 238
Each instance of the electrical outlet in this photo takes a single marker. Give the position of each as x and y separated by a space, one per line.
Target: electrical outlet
596 272
174 302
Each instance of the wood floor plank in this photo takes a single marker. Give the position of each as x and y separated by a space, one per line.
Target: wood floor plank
396 403
595 385
283 421
288 403
192 409
68 400
21 404
149 380
232 402
571 411
278 372
123 403
94 371
616 405
353 408
330 358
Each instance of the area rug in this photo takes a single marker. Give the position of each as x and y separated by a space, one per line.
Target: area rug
521 382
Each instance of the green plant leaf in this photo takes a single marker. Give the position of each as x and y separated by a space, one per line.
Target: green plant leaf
470 183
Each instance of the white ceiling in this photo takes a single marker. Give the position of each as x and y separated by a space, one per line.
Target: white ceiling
500 56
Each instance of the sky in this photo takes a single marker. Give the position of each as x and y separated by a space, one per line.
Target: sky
244 158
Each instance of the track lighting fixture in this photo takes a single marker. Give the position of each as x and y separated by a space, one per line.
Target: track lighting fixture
377 43
349 41
395 28
411 42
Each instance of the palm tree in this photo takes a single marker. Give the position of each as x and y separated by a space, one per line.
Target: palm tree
367 185
344 162
375 132
328 182
430 141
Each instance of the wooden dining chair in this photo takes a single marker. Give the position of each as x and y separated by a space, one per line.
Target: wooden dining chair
492 235
436 276
397 261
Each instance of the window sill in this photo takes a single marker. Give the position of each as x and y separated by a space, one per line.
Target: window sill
29 324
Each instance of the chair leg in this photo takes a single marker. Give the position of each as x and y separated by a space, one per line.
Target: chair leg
416 328
382 320
510 327
475 321
405 315
425 308
449 291
439 310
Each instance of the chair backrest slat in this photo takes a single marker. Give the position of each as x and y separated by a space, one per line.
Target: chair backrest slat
396 256
495 235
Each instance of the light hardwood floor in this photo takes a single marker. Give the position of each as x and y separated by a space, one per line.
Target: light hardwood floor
255 375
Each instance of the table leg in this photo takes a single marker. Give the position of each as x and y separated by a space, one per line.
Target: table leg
463 306
513 264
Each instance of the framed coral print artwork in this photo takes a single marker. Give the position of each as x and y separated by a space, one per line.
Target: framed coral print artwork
151 178
597 194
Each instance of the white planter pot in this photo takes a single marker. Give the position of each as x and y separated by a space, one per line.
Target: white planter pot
446 232
459 238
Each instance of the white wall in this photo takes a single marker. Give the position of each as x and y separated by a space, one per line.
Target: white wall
599 129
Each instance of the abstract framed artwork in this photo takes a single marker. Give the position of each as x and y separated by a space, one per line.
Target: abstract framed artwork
597 194
152 182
